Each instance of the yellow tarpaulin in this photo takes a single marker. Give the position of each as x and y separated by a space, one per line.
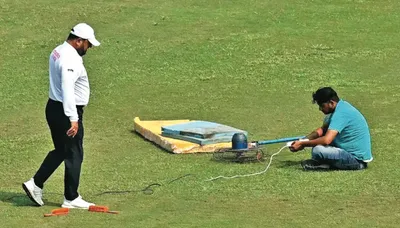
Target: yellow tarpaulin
151 130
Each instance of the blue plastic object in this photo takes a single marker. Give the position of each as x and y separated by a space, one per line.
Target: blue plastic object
239 141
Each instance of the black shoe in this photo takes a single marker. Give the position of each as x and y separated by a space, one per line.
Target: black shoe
313 165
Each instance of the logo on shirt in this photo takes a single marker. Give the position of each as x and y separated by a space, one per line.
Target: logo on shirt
70 70
55 55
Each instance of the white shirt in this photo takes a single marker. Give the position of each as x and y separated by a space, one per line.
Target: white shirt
69 83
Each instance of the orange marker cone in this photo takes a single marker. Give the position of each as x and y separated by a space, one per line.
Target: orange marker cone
103 209
57 212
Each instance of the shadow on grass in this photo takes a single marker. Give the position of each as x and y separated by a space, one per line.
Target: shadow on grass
297 164
21 199
284 164
141 136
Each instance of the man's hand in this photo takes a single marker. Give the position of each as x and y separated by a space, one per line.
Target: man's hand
73 130
296 146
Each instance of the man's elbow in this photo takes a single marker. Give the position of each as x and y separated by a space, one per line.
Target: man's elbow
326 141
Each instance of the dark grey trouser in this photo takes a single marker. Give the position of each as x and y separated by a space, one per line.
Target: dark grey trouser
68 150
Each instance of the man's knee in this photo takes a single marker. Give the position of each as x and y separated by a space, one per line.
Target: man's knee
317 152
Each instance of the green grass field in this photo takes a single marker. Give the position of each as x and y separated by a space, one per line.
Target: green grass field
248 64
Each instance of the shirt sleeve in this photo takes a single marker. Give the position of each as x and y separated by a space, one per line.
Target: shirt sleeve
338 122
69 75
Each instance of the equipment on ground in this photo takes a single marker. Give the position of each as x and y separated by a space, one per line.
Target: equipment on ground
242 151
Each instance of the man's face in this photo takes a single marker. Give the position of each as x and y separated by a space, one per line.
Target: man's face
83 46
327 107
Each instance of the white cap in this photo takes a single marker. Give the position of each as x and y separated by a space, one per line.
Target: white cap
86 32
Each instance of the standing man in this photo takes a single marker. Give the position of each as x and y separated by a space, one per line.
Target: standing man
343 141
68 95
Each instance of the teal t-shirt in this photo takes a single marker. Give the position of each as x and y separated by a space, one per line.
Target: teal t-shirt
353 131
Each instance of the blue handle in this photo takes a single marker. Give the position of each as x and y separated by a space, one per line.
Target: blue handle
265 142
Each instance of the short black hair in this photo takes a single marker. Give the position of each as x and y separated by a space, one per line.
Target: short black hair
325 94
72 37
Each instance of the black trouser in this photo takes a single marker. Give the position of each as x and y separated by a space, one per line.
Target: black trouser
67 149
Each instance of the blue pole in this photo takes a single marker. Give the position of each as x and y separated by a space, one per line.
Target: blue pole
265 142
